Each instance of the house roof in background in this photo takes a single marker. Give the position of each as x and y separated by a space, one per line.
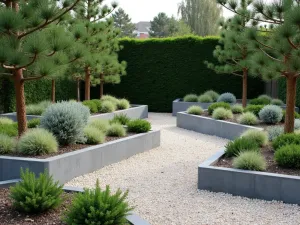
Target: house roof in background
142 26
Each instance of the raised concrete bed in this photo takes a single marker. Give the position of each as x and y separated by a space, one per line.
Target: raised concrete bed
205 125
133 219
65 167
251 184
135 112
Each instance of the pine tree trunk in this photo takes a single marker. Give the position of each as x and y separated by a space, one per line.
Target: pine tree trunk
245 87
53 92
101 84
87 83
78 90
290 103
20 101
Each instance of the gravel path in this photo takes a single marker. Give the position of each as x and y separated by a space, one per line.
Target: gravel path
162 184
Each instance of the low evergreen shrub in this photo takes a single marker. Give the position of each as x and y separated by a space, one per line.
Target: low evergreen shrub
260 137
248 118
91 105
123 104
214 95
205 99
7 144
286 139
34 123
107 107
254 109
277 102
237 109
195 110
222 114
139 126
257 101
116 130
122 119
227 97
216 105
242 144
190 98
271 114
93 136
288 156
250 161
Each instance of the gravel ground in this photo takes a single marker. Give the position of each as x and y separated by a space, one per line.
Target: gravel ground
162 184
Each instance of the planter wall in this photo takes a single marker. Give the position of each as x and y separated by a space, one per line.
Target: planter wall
133 219
209 126
251 184
65 167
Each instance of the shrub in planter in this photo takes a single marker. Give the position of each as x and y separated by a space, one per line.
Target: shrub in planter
222 114
286 139
205 99
107 107
139 126
254 109
121 119
237 109
4 120
190 98
93 136
98 103
242 144
195 110
9 129
37 141
66 120
34 123
257 101
250 161
227 97
7 144
216 105
101 125
116 130
260 137
274 132
248 118
96 206
288 156
271 114
91 105
277 102
265 97
111 99
214 95
35 195
123 104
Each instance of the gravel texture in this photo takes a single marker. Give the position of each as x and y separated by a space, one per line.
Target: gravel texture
162 184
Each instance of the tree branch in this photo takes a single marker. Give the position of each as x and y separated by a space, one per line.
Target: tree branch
51 54
30 63
101 17
291 43
278 60
8 67
236 74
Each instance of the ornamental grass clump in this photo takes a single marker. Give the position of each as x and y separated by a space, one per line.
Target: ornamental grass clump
214 95
216 105
7 144
34 123
107 107
288 156
195 110
250 161
36 194
277 102
5 120
260 137
93 136
242 144
274 132
122 119
227 97
123 104
37 141
97 206
271 114
116 130
237 109
100 124
248 118
190 98
222 114
286 139
110 98
66 120
205 99
34 110
138 126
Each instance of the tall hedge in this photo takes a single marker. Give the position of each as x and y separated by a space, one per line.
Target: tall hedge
161 70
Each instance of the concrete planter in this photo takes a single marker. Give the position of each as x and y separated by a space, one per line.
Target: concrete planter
135 112
133 219
251 184
65 167
205 125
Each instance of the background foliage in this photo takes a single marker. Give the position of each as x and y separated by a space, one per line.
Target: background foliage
282 90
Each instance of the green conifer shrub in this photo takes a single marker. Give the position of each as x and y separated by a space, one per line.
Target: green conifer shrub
288 156
286 139
139 126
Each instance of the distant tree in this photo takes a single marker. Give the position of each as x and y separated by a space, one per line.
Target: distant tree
123 22
201 15
182 29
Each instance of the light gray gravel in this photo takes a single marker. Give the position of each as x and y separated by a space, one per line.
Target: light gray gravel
162 184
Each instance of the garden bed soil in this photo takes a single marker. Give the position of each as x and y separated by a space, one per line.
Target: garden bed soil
9 216
272 166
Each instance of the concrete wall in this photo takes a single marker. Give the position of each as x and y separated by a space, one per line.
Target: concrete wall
69 165
251 184
205 125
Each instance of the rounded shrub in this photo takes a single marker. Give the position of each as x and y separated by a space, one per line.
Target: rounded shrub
227 97
111 99
205 99
36 195
222 114
99 206
123 104
5 120
214 95
277 102
286 139
250 161
9 129
139 126
288 156
260 137
37 142
34 123
254 109
271 114
257 101
265 98
121 119
93 135
7 144
99 124
195 110
190 98
116 130
274 132
248 118
91 105
242 144
237 109
98 103
107 107
216 105
66 120
297 124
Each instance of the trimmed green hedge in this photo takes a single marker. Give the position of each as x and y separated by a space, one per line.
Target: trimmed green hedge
161 70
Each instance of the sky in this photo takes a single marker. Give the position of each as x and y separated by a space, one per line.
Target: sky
146 10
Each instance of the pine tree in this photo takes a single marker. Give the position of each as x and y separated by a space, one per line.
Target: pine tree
31 47
123 22
161 26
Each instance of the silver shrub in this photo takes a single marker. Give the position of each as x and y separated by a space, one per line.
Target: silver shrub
274 132
297 124
66 120
227 97
271 114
